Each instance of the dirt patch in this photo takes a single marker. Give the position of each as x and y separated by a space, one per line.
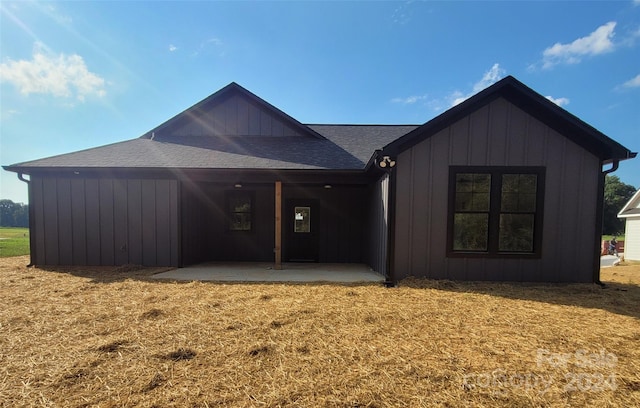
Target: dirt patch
180 354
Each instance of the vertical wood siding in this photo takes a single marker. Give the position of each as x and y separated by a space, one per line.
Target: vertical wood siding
205 233
205 236
105 221
378 228
236 116
498 134
342 224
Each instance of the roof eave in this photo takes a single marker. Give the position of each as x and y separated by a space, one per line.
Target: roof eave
633 203
525 98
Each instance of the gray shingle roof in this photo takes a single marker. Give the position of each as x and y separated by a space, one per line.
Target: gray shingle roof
345 147
234 129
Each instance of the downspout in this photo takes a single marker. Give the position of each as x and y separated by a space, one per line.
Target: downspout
31 220
391 232
387 164
600 219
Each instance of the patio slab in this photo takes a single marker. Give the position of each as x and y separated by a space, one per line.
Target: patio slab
264 272
607 261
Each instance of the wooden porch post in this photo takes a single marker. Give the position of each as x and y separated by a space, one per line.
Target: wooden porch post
278 218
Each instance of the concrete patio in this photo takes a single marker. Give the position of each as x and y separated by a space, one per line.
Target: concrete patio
290 272
607 261
264 272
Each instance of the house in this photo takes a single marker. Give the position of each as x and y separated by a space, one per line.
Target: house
631 213
488 190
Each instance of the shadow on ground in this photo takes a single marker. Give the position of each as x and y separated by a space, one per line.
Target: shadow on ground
615 297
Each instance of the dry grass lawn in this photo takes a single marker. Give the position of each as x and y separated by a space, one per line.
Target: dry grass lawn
110 337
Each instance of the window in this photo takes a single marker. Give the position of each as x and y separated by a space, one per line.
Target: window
302 219
495 211
240 211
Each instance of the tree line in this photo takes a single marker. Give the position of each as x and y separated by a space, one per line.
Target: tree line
13 214
616 195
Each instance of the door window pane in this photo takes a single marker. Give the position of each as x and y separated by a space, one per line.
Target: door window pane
302 219
239 212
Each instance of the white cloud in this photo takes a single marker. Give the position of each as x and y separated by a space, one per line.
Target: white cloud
493 75
596 43
633 82
214 44
409 100
8 114
56 15
403 13
558 101
172 48
457 97
63 76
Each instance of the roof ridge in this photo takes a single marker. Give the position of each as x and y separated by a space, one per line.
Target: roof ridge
363 124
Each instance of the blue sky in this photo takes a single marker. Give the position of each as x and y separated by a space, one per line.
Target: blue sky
75 75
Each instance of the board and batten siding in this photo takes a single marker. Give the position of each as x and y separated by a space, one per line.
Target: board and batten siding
342 217
107 221
341 213
205 225
378 226
632 239
235 116
497 134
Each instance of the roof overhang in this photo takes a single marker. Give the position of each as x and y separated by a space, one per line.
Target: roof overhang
305 176
632 208
578 131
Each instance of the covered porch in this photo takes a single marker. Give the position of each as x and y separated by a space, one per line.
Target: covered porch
240 217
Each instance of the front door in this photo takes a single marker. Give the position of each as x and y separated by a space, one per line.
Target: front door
301 231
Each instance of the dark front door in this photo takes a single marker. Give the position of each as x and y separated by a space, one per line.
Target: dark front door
301 226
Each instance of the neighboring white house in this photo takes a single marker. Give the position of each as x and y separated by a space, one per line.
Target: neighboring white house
631 213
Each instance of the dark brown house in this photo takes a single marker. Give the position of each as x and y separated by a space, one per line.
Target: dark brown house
488 190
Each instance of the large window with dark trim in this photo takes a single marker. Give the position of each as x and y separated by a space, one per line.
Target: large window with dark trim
240 210
495 211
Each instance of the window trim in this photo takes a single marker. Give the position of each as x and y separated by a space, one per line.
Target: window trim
229 194
494 211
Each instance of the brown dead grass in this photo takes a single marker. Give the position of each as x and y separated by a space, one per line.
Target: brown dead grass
106 338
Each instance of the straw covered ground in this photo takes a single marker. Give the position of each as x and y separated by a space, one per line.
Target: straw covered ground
111 337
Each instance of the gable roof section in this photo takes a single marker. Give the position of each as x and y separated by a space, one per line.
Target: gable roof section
532 103
632 208
233 129
230 112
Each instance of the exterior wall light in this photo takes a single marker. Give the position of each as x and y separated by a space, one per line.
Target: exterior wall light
386 162
238 185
